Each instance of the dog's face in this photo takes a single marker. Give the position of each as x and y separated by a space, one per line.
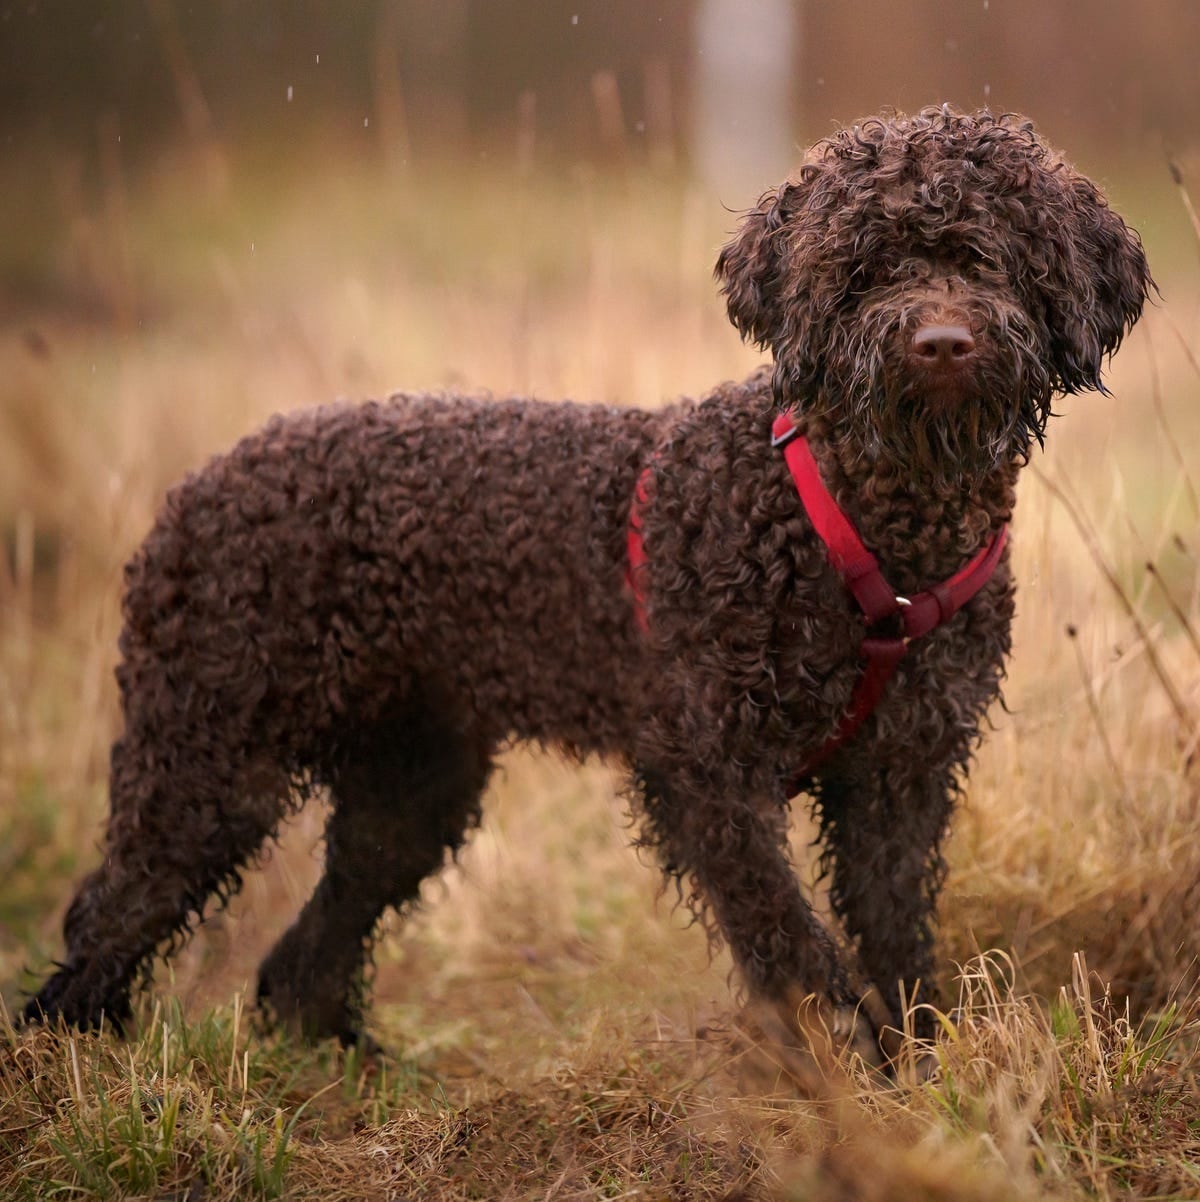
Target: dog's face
935 281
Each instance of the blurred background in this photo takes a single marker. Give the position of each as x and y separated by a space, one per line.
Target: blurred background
705 84
394 193
213 211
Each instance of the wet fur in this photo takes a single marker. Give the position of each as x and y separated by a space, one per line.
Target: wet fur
374 599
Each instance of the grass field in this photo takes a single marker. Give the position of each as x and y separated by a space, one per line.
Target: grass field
556 1029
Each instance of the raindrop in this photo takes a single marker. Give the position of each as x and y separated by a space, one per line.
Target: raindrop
987 87
366 122
289 93
575 19
319 57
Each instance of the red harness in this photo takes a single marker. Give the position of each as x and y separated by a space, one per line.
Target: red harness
858 569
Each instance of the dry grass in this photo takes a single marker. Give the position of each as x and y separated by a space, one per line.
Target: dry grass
543 1009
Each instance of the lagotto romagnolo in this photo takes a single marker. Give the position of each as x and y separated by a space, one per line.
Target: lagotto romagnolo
373 599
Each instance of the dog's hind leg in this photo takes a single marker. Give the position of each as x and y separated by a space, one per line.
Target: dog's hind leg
404 793
185 817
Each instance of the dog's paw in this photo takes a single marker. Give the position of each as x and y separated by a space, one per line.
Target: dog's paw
68 997
837 1033
804 1043
311 1016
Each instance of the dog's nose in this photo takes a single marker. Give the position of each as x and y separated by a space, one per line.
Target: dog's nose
943 346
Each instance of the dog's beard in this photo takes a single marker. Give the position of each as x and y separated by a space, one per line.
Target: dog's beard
949 430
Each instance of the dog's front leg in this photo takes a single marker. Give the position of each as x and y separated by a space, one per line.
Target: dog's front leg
733 856
883 828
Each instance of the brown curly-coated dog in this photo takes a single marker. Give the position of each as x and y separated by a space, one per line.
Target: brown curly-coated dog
373 599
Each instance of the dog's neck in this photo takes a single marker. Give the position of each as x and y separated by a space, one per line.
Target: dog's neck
921 533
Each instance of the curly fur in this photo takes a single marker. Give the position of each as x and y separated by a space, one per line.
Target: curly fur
373 599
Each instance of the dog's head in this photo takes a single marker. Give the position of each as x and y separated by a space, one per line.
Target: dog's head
935 280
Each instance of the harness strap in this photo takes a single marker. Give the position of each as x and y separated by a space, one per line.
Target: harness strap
857 566
635 551
861 574
859 570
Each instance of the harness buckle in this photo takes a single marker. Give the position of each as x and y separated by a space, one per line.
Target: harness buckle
892 627
781 440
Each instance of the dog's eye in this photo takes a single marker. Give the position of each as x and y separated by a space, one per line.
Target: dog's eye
979 264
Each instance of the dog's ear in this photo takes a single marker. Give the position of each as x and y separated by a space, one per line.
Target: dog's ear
750 268
1093 279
